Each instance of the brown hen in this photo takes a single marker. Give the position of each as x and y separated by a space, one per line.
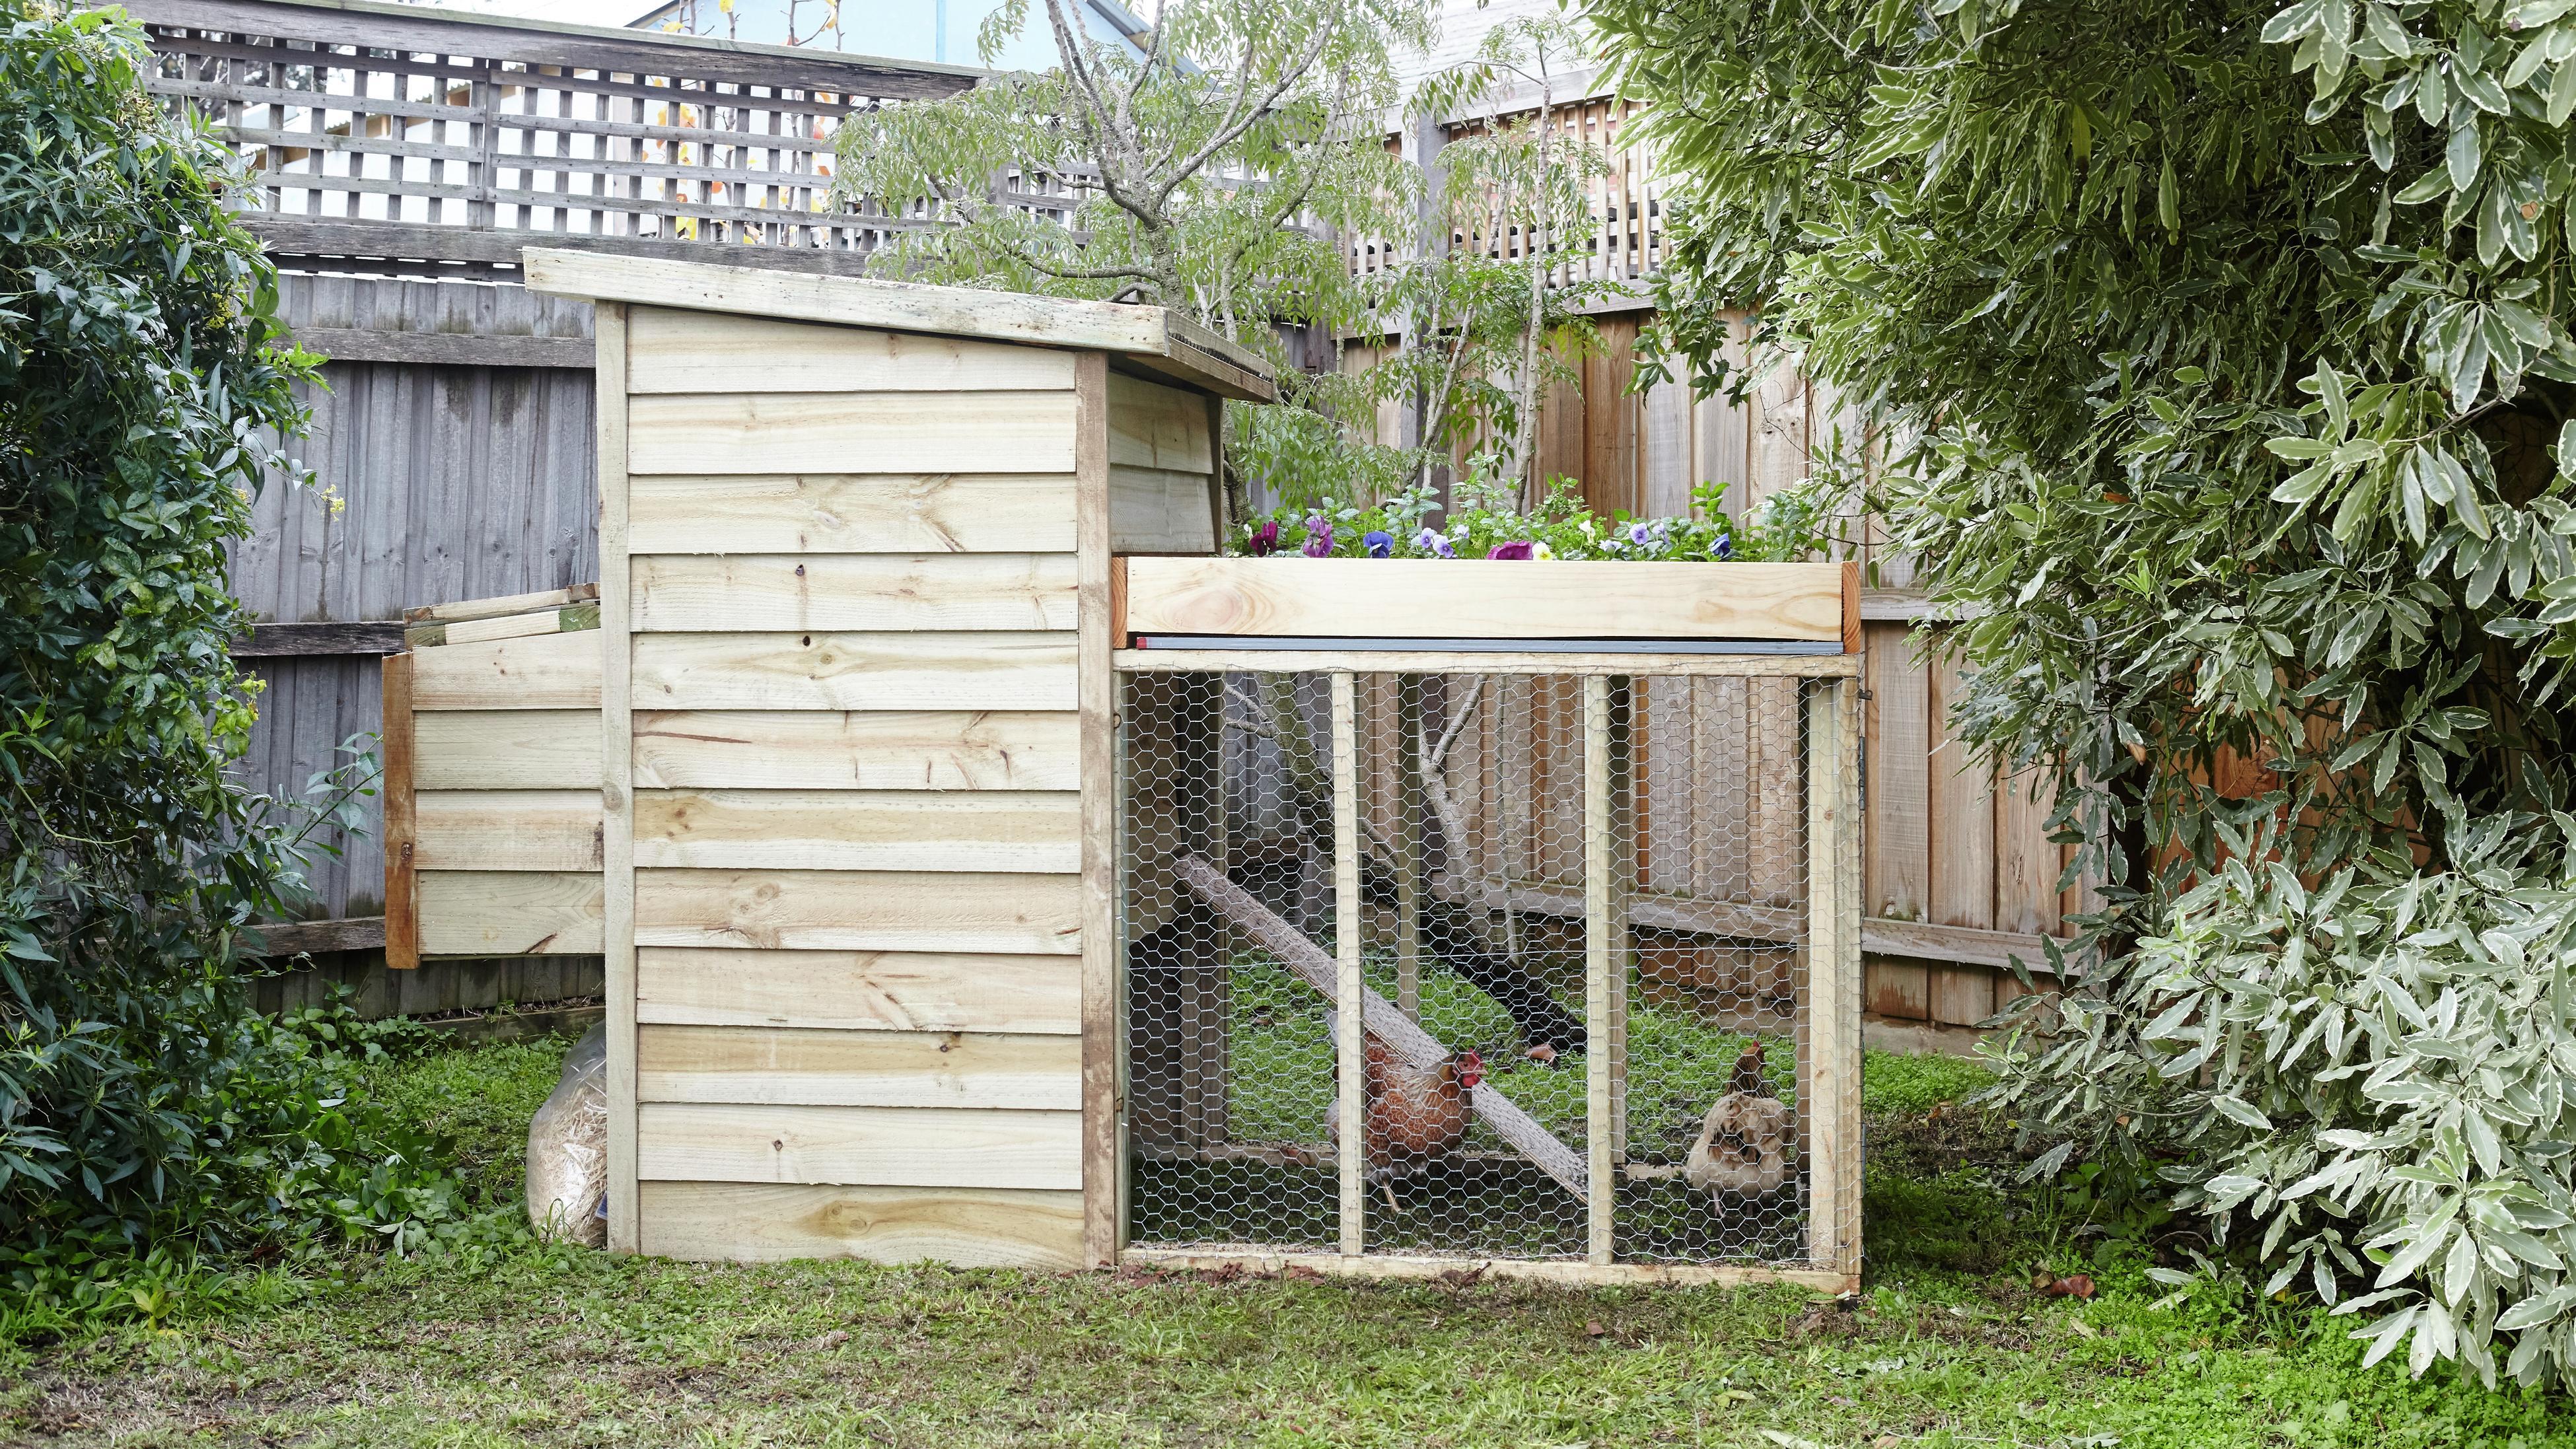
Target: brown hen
1415 1116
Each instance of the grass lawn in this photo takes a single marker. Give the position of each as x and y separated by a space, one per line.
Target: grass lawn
508 1343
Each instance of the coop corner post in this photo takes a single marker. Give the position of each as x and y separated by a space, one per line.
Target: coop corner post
1831 1079
616 798
1103 1051
1847 1072
1599 1130
1349 988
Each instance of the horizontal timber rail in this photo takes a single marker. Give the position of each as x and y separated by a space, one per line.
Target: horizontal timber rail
1289 661
357 117
1313 644
1564 1272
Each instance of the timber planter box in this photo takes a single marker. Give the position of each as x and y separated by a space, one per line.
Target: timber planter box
1769 607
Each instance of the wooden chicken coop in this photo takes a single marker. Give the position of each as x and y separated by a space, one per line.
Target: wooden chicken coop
987 872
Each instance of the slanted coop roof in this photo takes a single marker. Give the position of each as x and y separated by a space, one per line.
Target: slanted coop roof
1153 340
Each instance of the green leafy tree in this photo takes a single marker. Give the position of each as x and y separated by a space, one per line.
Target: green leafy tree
143 374
2231 342
1229 172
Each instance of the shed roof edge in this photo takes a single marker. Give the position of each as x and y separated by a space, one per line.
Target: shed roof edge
1183 351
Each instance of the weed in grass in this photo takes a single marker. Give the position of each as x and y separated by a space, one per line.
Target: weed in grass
480 1099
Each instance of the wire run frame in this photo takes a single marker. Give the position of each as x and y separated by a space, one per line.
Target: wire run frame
1826 1256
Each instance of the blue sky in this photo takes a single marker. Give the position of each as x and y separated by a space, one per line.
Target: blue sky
902 29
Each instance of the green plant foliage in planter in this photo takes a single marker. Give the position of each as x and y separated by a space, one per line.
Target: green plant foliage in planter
1791 524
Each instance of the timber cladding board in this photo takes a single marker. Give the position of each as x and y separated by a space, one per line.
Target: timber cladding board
570 618
823 1068
985 830
942 591
797 432
507 830
856 750
464 610
852 513
542 671
673 351
859 1146
507 749
890 910
511 913
855 671
772 1222
1153 426
617 783
1390 598
1154 510
859 990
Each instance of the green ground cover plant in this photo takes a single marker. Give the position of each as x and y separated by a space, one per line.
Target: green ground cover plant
1948 1345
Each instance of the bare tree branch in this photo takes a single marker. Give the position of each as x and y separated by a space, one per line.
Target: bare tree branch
1238 122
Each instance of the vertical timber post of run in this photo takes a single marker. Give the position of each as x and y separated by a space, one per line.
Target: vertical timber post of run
616 781
1823 1086
1624 827
1103 990
1600 1136
1408 845
1350 1040
1849 746
1124 690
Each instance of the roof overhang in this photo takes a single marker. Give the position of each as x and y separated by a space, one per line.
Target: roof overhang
1154 339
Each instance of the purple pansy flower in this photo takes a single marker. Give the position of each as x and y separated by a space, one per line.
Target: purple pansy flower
1519 548
1319 538
1725 546
1431 541
1640 535
1265 539
1378 542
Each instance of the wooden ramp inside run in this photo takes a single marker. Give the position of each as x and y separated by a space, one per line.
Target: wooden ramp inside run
1380 1018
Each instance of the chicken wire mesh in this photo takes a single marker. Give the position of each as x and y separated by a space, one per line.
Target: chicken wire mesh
1501 1029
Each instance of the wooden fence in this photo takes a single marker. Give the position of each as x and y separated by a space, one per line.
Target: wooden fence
452 433
453 426
413 137
1622 242
452 452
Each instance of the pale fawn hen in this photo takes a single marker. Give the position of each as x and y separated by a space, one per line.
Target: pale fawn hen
1743 1147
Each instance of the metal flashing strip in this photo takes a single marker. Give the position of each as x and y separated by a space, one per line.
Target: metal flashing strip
1249 642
